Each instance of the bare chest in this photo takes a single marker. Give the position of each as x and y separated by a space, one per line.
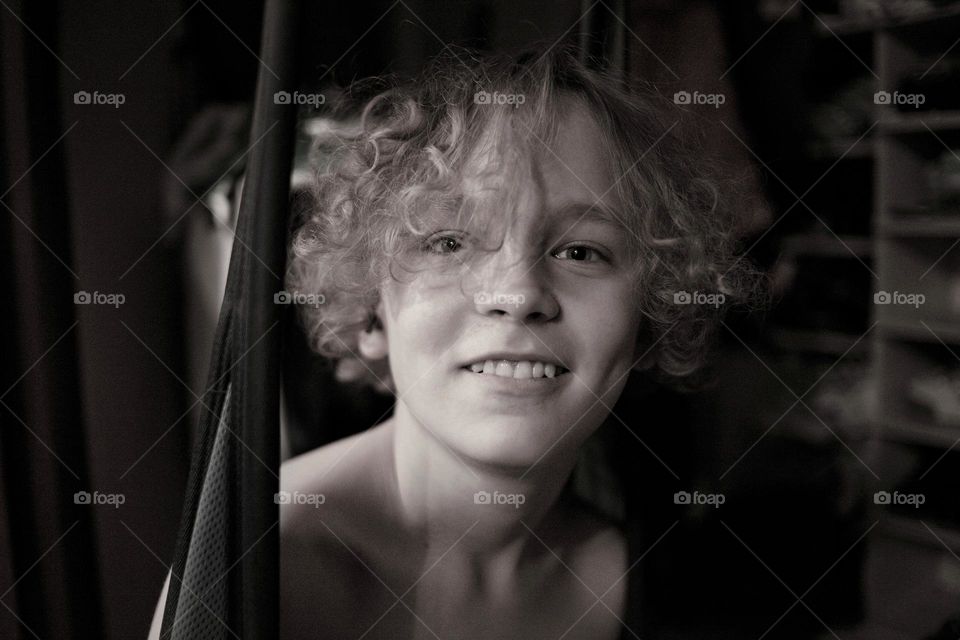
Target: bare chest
396 600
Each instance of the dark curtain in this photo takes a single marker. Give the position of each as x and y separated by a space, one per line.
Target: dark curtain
45 540
89 394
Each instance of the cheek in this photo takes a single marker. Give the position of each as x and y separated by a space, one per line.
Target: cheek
609 327
420 331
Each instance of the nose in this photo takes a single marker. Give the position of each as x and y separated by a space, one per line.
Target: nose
518 291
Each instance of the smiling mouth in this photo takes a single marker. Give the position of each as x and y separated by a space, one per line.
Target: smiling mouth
519 370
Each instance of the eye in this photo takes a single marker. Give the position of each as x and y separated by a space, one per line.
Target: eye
579 253
445 242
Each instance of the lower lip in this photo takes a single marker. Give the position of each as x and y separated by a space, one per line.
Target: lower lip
518 386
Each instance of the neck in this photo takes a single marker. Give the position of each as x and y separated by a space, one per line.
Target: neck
490 513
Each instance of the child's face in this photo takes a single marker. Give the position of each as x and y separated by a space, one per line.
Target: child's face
560 290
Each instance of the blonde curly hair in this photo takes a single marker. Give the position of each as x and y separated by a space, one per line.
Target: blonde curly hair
405 152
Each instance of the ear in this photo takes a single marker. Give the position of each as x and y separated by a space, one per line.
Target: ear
373 340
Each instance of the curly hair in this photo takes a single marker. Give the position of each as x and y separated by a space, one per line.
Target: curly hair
402 156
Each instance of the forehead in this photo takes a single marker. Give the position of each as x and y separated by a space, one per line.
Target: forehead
527 169
574 164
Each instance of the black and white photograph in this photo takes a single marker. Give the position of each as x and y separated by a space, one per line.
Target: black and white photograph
480 320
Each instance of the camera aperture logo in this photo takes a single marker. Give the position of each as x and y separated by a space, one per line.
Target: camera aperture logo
699 297
697 98
513 499
110 299
312 99
485 297
485 97
298 497
98 498
296 297
697 498
96 98
897 297
896 98
896 498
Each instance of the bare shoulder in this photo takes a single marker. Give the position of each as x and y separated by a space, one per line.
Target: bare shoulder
323 536
307 471
326 484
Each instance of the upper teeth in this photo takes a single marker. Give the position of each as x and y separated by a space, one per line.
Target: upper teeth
517 369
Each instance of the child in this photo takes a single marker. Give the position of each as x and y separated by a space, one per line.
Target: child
500 244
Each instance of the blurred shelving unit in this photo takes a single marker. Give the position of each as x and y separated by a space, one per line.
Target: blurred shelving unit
916 226
913 570
826 250
889 241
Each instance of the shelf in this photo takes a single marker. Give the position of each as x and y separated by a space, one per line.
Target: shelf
913 331
904 123
822 244
859 26
913 432
912 530
946 18
921 227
